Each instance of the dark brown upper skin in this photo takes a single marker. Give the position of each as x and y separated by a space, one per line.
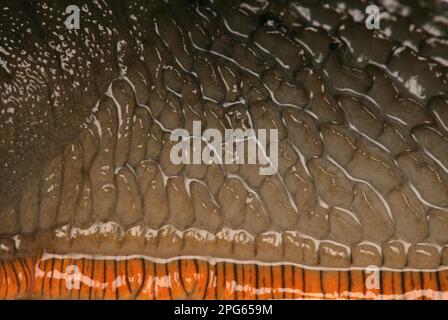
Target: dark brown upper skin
363 153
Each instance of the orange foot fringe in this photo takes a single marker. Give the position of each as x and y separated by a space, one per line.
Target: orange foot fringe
139 278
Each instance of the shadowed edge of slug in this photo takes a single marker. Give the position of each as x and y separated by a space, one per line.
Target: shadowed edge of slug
69 277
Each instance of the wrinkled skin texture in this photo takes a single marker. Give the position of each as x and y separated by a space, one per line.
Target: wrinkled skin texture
363 137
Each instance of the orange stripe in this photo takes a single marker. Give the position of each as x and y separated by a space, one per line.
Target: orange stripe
443 281
230 281
65 280
124 291
12 281
344 285
288 281
99 280
220 280
147 291
398 284
176 286
25 277
87 283
264 282
201 280
56 279
299 288
39 275
110 290
330 284
76 275
407 285
357 289
313 284
212 284
250 281
277 282
189 274
3 284
20 278
29 264
387 280
240 281
430 285
162 283
417 284
135 272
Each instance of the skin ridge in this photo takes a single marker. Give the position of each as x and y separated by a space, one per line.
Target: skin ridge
78 101
54 147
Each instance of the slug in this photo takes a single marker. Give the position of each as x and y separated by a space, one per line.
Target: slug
92 205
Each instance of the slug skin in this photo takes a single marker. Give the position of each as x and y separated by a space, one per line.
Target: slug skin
93 207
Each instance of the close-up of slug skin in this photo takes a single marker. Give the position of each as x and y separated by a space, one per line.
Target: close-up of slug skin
113 184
